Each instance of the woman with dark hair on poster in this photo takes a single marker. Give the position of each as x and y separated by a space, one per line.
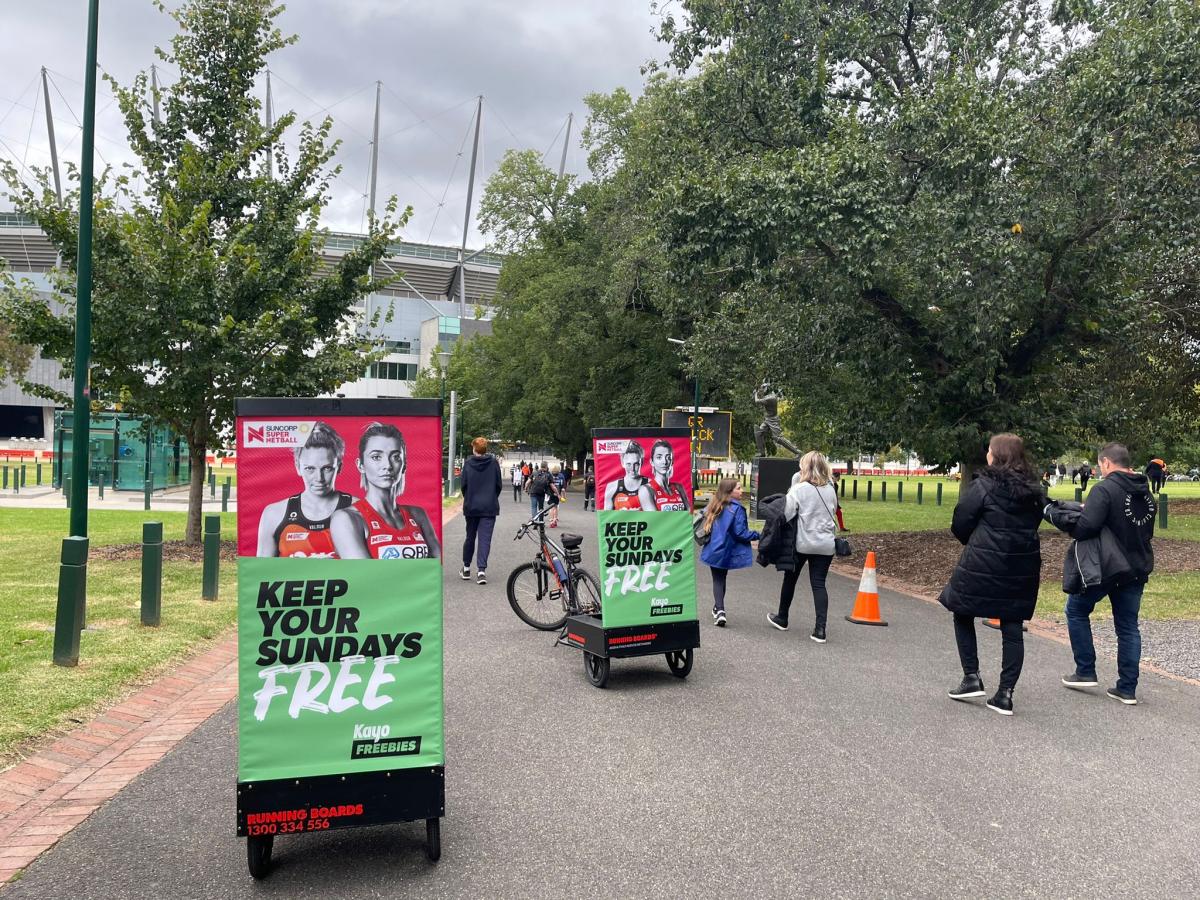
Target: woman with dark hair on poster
668 495
299 525
997 576
377 527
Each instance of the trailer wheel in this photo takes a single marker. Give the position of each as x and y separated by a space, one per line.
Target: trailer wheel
433 839
258 854
597 668
680 662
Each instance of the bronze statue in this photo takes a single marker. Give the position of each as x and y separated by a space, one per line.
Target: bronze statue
766 397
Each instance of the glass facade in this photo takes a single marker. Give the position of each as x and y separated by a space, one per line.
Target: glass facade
125 449
393 371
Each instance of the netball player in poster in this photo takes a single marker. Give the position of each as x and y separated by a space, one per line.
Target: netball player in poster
299 525
667 494
377 527
630 490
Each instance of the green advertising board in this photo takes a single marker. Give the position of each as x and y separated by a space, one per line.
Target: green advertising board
349 670
647 568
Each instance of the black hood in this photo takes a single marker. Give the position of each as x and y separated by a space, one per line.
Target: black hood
1130 482
1014 487
479 463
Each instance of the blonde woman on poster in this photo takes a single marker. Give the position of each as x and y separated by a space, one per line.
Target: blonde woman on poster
299 525
630 491
377 527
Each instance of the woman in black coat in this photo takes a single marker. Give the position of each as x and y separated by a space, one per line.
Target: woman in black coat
997 518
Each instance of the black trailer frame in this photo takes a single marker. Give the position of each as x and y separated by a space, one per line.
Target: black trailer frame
600 645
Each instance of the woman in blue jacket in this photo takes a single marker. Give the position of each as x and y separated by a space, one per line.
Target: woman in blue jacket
728 546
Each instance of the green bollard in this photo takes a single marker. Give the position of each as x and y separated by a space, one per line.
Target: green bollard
900 492
854 489
17 481
1162 510
212 484
37 474
869 483
100 484
67 489
225 497
842 484
883 492
1078 495
152 552
212 556
72 595
939 493
920 493
146 488
5 486
24 477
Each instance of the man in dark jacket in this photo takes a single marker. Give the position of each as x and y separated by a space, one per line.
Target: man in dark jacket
1122 502
481 486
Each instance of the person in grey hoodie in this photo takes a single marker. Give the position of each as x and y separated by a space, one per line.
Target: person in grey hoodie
1122 503
481 487
813 503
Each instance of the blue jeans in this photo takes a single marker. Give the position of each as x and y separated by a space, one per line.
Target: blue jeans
536 502
1126 601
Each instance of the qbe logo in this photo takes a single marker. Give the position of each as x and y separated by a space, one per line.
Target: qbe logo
275 434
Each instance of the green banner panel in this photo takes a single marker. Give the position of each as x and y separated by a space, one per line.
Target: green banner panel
647 567
340 666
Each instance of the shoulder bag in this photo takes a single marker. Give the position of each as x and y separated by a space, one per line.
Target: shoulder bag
841 546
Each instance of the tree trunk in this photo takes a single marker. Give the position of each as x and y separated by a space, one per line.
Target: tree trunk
198 453
967 469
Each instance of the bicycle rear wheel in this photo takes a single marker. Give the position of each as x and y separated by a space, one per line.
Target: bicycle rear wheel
529 596
585 591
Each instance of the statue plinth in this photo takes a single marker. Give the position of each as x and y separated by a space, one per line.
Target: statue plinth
770 475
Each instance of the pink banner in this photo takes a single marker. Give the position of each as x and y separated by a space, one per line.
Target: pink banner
647 473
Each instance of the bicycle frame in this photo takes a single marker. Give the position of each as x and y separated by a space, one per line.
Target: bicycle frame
547 549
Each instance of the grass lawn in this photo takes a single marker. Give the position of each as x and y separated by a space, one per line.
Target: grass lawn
115 651
1166 597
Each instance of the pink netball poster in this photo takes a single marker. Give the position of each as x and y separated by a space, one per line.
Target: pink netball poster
646 469
339 479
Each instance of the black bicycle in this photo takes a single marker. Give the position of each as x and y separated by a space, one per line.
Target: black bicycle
554 585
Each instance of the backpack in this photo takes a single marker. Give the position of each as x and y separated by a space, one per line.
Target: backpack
540 483
699 535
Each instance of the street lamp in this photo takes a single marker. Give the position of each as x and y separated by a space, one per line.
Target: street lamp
695 415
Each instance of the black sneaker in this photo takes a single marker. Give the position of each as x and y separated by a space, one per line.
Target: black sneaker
1002 702
1117 694
777 622
481 577
720 623
466 573
971 686
1077 681
818 634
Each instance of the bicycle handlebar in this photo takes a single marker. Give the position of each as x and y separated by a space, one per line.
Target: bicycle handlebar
524 529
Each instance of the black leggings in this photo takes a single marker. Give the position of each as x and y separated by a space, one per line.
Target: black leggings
719 578
1012 649
818 569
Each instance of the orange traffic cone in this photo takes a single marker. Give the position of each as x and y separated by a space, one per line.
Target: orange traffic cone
866 604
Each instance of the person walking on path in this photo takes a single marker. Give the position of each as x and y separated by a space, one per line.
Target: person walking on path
589 489
554 495
729 540
518 482
1085 475
481 487
812 502
539 484
997 576
1155 474
1123 504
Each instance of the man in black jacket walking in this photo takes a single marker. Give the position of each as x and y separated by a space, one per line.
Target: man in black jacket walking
481 486
1122 503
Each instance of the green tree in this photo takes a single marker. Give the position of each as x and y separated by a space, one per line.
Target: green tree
14 355
208 282
930 220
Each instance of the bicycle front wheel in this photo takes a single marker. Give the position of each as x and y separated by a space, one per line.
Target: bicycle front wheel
585 591
529 596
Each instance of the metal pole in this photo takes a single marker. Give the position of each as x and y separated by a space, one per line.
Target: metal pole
152 544
210 575
154 93
50 134
562 163
462 265
696 430
375 154
72 577
450 443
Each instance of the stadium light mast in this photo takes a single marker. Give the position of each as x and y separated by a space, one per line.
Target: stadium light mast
562 163
50 135
72 575
462 252
374 152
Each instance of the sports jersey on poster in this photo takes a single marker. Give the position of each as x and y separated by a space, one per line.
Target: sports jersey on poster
300 536
670 498
625 499
386 542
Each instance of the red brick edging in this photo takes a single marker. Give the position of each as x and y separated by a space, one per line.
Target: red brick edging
45 796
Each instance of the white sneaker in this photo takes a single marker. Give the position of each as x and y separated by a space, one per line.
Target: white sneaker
481 577
466 573
720 618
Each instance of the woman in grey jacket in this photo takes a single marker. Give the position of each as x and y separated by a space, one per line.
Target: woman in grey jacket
812 502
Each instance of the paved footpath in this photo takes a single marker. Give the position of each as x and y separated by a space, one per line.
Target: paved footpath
779 768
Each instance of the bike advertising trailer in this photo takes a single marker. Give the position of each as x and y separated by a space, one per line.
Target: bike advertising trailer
340 714
647 554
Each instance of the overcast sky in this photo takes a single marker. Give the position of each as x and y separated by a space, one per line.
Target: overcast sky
533 61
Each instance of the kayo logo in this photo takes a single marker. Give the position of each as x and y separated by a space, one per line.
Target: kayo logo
371 732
